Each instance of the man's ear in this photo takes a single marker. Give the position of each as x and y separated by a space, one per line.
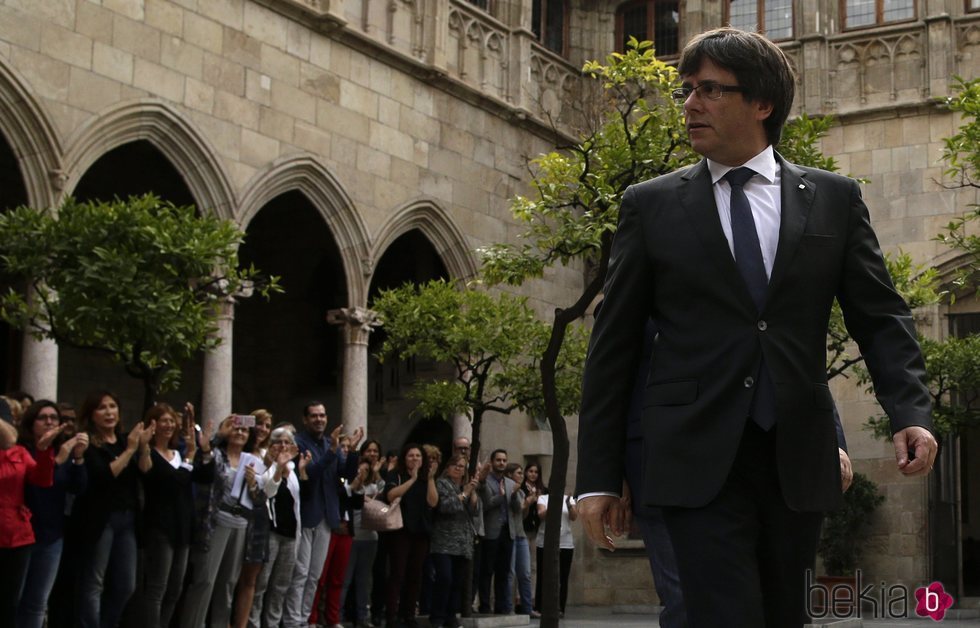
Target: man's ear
763 109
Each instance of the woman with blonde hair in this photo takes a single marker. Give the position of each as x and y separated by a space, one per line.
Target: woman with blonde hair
257 536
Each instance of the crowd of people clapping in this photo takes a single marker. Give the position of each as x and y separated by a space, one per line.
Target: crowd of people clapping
248 522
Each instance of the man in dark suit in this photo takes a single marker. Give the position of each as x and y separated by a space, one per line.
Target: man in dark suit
501 518
739 259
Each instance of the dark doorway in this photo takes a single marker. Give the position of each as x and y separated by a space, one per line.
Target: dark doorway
410 259
131 169
954 497
285 354
13 193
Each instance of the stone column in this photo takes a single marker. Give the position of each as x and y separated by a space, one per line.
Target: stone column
356 324
216 389
39 364
39 368
462 426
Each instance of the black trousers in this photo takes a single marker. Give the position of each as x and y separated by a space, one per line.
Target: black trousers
565 555
495 566
743 557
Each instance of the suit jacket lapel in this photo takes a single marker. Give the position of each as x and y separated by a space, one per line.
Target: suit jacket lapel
796 197
698 198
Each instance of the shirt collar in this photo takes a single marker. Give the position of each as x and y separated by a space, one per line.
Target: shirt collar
764 164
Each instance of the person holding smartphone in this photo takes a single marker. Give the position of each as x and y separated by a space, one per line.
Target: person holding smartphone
225 507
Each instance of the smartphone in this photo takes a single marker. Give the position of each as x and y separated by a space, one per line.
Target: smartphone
244 420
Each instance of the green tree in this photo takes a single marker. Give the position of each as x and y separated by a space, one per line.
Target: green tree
953 365
492 341
140 280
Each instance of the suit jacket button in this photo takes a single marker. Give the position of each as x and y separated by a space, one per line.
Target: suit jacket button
749 382
762 325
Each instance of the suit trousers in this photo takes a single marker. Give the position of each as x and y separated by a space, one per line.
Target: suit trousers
663 566
649 520
743 557
495 567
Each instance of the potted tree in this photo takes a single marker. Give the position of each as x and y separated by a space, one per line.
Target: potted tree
842 541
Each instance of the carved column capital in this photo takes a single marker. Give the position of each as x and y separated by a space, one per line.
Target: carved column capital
357 322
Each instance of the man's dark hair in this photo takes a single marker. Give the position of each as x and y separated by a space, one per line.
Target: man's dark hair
494 453
762 69
306 408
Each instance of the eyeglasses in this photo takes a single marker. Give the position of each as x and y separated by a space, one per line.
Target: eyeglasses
708 89
48 417
459 466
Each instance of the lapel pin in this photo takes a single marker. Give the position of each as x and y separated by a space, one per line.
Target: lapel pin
802 187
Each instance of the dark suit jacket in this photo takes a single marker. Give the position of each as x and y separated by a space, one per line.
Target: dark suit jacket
671 262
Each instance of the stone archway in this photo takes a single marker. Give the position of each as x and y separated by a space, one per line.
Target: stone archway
30 174
285 353
438 228
168 132
31 138
409 258
132 168
13 193
304 173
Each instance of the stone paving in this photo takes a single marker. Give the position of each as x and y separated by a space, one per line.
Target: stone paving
597 617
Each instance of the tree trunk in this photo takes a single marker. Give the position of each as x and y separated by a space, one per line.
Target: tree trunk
466 606
151 388
559 438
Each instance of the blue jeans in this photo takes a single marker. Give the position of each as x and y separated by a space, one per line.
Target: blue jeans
164 569
520 566
41 572
111 560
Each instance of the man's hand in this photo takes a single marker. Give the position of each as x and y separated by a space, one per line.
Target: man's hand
923 446
846 472
599 511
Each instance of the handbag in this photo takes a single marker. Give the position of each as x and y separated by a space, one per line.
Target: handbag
382 517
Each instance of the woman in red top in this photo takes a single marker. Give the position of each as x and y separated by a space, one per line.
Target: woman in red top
16 534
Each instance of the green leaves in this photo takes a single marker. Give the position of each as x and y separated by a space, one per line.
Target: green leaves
961 152
494 342
140 279
843 533
577 191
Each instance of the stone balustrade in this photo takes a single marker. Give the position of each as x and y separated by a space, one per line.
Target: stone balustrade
454 45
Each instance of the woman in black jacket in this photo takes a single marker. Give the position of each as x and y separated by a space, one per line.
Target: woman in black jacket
168 513
415 486
104 521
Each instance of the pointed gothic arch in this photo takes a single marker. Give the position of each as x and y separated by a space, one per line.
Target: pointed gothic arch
438 227
32 137
305 174
163 126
